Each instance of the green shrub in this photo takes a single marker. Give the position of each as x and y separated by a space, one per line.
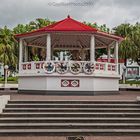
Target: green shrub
9 79
12 79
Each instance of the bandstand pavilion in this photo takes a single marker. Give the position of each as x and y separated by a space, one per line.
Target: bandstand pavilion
69 65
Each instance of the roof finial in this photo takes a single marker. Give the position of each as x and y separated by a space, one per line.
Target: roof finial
68 16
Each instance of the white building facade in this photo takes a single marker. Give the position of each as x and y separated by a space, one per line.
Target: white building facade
132 70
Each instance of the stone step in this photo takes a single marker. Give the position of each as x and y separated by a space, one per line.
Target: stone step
69 120
73 105
71 110
66 132
70 117
72 102
68 114
69 126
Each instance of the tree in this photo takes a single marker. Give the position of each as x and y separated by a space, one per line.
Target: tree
135 38
102 28
39 23
126 47
130 47
20 28
7 48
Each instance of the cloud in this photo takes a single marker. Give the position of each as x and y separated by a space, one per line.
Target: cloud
110 12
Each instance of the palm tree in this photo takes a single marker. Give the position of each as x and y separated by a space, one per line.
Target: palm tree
20 28
104 28
39 23
7 47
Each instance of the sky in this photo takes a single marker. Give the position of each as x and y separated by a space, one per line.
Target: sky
109 12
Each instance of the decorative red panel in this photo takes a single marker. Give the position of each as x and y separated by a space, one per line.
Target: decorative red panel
42 65
97 67
29 66
37 65
101 66
109 67
113 68
70 83
24 66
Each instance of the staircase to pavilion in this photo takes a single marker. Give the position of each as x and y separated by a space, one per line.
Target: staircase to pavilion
70 118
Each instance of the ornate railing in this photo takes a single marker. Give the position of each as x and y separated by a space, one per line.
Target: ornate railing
63 67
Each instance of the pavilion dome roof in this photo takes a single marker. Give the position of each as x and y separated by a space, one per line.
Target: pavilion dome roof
67 25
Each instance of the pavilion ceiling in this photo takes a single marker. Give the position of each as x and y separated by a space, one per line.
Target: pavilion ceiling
68 41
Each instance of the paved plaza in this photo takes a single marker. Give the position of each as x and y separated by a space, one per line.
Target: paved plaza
123 95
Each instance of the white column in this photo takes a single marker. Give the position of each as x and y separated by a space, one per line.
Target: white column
26 53
92 49
108 53
116 55
116 52
20 51
48 43
52 53
61 56
82 54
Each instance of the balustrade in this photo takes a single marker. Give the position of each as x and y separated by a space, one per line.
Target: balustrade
73 67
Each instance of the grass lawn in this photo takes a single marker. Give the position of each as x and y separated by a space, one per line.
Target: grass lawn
130 82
